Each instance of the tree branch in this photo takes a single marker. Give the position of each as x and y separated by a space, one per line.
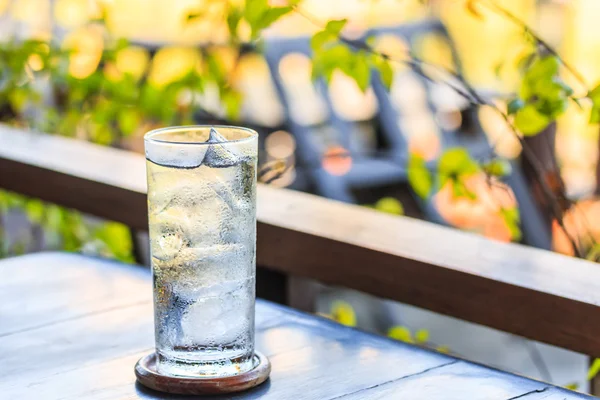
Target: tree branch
491 5
468 92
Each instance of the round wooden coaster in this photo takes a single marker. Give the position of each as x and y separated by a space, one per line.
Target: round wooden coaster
147 375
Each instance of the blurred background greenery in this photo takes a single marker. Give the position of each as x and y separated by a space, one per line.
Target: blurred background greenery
107 71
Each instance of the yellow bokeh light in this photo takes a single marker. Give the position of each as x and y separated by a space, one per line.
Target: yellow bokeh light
86 45
395 48
35 62
172 63
499 133
434 49
132 60
4 6
252 78
71 13
483 42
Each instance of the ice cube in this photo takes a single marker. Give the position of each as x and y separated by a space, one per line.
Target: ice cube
174 155
217 156
167 240
220 314
168 246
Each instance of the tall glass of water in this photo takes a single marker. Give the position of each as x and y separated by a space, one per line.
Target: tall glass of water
202 217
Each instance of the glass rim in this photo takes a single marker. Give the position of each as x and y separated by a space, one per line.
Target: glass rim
149 136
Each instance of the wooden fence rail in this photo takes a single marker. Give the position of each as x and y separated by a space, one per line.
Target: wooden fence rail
533 293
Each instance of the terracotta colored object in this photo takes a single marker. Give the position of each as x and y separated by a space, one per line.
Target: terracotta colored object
147 375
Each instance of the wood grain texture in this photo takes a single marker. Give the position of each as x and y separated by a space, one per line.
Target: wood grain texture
528 292
72 293
92 354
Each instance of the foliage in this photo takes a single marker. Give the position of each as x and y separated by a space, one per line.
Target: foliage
112 102
331 53
419 176
594 369
343 313
44 86
388 205
420 337
67 229
260 15
543 95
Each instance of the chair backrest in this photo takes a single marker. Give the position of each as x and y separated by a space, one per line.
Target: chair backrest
388 167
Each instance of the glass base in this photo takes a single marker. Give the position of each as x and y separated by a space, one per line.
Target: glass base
210 365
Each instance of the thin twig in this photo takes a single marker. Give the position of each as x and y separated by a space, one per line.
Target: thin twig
471 95
538 39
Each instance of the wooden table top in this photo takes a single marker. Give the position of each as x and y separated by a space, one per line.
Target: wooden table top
72 327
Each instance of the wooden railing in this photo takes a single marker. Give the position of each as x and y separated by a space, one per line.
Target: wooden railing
533 293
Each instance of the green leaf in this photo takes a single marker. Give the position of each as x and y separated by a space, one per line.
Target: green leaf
35 211
594 253
254 9
335 26
232 101
233 20
128 120
544 67
539 76
419 177
386 73
459 189
594 93
343 313
117 239
321 38
361 73
389 205
422 336
512 218
515 105
400 333
260 15
121 44
572 386
497 167
329 35
457 161
594 369
594 96
530 121
272 15
331 58
595 114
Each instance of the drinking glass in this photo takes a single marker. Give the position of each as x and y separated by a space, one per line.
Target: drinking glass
202 222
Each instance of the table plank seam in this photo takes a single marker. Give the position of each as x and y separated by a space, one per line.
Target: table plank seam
397 379
75 317
528 393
